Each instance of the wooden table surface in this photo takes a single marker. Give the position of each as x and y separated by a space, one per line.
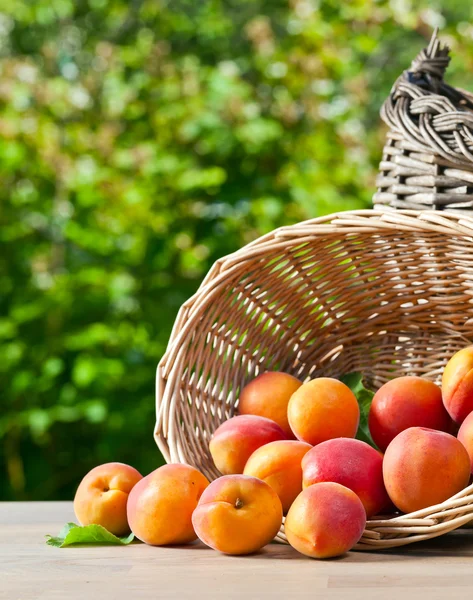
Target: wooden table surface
29 569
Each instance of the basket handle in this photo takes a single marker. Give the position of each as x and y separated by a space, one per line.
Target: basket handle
428 69
431 62
428 112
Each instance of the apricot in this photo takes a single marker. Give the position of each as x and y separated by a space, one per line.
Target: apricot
279 465
268 396
325 520
423 467
406 402
465 436
237 514
323 409
102 496
457 385
351 463
160 506
235 440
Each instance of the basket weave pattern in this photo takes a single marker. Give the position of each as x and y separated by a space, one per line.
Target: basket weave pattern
384 293
428 157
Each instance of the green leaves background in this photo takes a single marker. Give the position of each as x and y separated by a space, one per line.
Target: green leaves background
139 142
364 396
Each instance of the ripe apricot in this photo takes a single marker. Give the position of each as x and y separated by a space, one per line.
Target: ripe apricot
102 496
423 467
238 514
325 520
351 463
235 440
160 506
323 409
465 436
268 396
279 465
406 402
457 385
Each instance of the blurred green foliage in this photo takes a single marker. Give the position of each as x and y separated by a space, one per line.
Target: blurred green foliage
141 140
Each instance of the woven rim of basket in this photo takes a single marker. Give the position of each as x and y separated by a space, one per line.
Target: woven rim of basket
380 533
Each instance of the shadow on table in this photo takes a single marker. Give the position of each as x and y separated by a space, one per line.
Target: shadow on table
458 543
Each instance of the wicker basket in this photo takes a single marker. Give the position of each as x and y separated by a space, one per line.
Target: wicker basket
428 157
384 293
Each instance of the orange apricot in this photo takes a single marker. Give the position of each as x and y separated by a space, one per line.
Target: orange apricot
102 496
160 506
235 440
457 385
238 514
279 465
465 436
268 396
323 409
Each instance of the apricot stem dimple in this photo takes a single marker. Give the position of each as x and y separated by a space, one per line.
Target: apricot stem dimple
238 503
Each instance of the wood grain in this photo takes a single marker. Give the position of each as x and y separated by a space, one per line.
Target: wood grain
31 570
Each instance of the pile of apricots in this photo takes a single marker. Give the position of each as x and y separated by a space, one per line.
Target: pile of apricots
291 455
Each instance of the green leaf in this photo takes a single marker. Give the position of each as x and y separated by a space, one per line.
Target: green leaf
90 534
355 382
